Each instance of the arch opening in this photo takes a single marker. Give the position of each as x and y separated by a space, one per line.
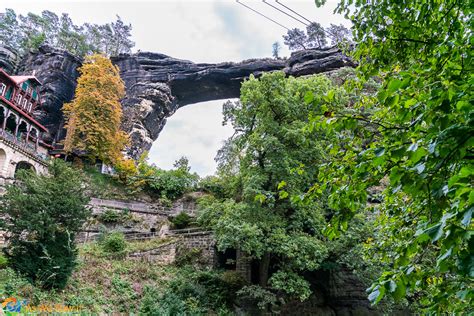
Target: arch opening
194 131
11 124
3 160
23 165
22 131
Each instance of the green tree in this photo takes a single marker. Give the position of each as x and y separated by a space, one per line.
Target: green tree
42 215
9 29
120 40
94 116
338 34
315 37
32 30
266 154
276 47
295 39
413 143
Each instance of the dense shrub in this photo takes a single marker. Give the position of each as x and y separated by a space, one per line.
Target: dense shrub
3 262
171 183
213 185
114 243
111 216
180 221
124 293
42 215
191 293
188 256
125 168
154 303
11 282
167 184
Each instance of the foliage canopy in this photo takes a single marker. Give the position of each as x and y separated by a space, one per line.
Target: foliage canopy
28 32
94 116
415 138
262 214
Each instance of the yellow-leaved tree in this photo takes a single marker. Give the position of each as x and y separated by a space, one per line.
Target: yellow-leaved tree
94 116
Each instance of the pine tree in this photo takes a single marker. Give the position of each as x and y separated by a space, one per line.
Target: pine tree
93 118
276 47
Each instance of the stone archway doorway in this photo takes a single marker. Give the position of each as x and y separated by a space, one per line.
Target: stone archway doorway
23 165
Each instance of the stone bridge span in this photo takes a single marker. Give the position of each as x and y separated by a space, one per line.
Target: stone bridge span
157 85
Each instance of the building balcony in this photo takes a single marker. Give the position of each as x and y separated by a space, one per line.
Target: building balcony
23 144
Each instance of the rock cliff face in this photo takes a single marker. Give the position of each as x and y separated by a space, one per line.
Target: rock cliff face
156 84
9 59
57 71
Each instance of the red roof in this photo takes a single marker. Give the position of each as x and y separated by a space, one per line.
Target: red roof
20 79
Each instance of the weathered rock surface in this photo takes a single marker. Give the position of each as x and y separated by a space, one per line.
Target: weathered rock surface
9 59
157 85
57 71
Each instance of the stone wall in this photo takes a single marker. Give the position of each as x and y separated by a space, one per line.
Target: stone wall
164 254
202 244
186 204
197 247
11 154
335 292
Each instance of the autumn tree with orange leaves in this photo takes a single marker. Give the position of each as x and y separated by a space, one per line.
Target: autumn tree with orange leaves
93 117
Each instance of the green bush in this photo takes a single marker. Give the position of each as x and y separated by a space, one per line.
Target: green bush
180 221
167 184
154 303
41 245
213 185
11 282
124 294
188 256
114 243
3 262
234 280
191 292
172 183
111 216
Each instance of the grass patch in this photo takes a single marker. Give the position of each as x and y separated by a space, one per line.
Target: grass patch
100 283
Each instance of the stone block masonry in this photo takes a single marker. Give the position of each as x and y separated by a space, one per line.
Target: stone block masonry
200 244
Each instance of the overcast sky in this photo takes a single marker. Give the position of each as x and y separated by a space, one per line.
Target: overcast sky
197 30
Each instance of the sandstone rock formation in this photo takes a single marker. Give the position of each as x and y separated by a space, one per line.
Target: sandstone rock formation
57 71
157 85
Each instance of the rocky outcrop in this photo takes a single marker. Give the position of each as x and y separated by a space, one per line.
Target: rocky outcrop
57 71
157 85
9 59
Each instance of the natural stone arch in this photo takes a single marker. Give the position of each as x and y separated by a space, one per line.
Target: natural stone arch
24 165
157 85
